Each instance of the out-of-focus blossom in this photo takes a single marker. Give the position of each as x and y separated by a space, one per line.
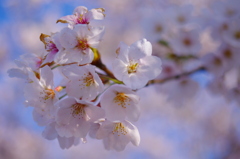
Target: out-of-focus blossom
186 42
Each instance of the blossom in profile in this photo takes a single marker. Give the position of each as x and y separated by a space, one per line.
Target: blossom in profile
135 65
81 15
27 64
119 103
41 95
116 135
84 83
52 46
78 43
50 133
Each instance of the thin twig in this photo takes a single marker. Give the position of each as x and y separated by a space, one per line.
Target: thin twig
175 76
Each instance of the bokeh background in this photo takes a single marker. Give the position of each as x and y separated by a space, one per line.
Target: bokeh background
203 126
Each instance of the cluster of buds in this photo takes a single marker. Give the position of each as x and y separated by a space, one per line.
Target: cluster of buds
91 99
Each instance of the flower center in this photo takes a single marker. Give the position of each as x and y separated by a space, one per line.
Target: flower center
82 20
48 94
227 53
181 19
158 28
187 42
119 128
237 35
217 61
82 44
121 99
132 68
51 47
88 80
78 109
230 12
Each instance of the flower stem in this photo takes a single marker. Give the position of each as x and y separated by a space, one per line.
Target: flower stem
98 62
110 78
62 96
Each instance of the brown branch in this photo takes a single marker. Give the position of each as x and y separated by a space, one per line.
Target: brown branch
98 63
160 81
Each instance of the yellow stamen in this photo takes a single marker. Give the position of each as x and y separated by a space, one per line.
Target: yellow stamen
121 99
49 93
132 68
88 80
119 128
78 109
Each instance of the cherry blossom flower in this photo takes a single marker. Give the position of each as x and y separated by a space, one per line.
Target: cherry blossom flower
81 15
214 64
230 55
156 26
134 64
84 82
180 16
232 34
78 43
116 135
74 117
186 42
120 102
225 11
41 95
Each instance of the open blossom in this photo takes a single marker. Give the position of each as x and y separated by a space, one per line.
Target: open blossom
81 15
116 135
232 35
78 43
180 15
186 42
74 117
84 82
119 103
134 64
41 95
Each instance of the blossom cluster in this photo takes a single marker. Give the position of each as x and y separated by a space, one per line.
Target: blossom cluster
90 99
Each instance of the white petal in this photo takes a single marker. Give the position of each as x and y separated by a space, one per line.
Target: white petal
50 132
97 13
68 38
65 142
46 75
135 81
150 66
140 49
119 69
94 113
133 133
80 10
